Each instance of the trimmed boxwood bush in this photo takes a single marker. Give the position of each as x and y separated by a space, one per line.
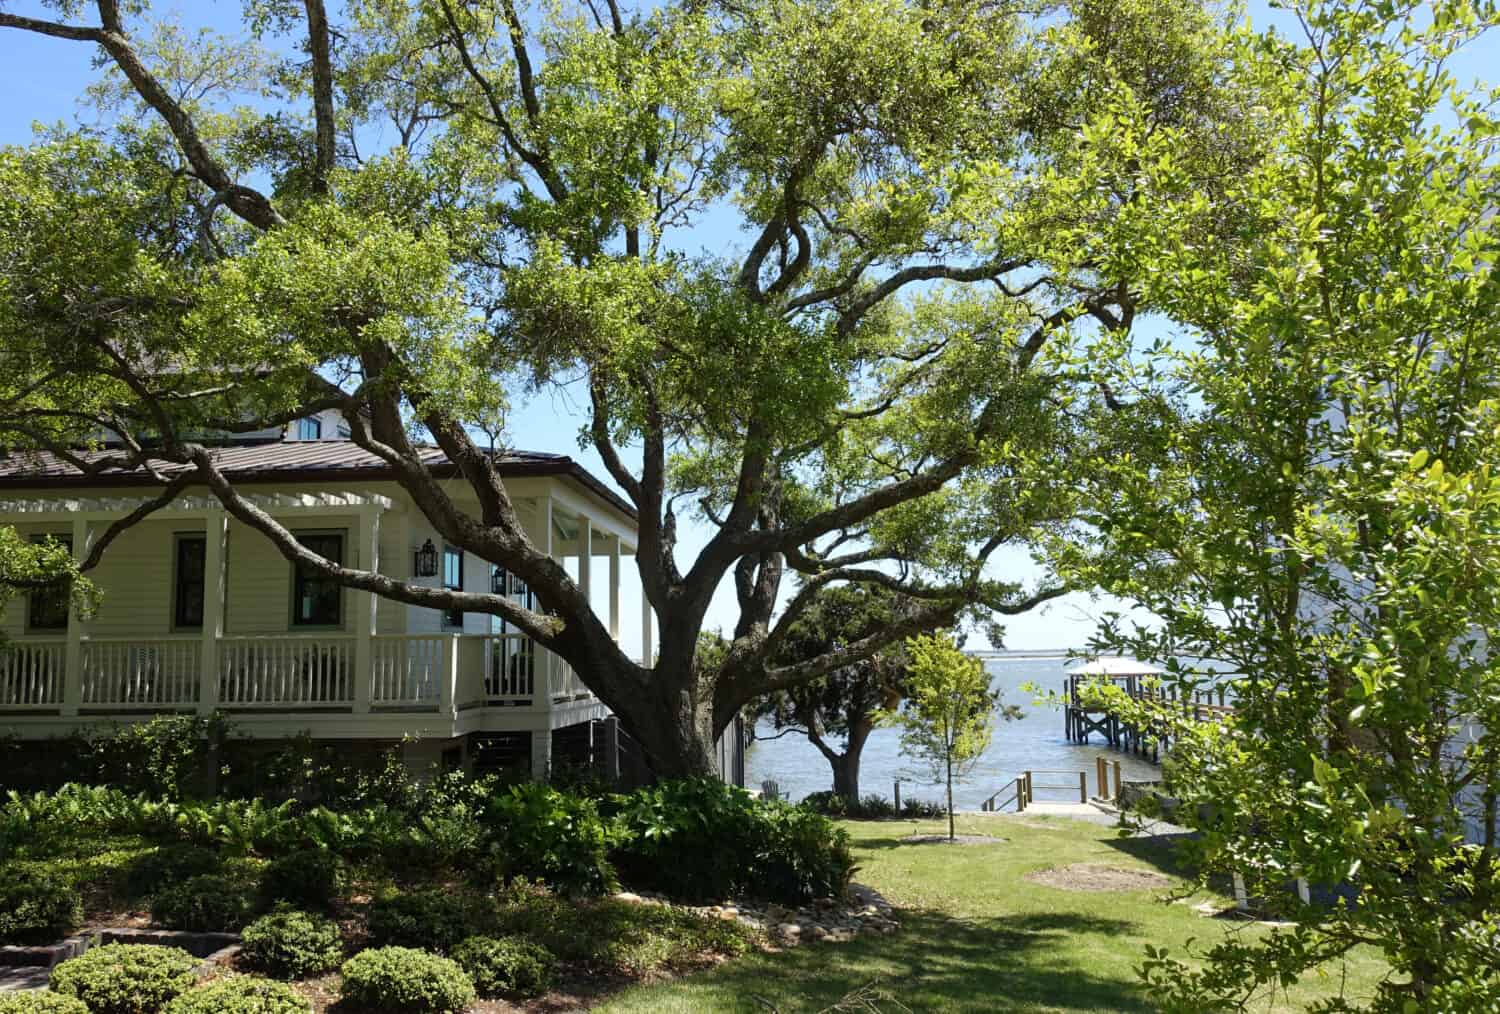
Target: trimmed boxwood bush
308 879
42 1002
435 919
292 944
406 980
240 995
126 978
206 904
168 865
506 966
37 909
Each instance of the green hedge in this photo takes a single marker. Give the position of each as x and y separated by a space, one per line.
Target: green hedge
206 904
436 920
37 909
126 978
401 979
506 966
41 1002
291 944
307 878
240 995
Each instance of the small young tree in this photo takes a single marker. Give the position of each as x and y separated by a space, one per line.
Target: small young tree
846 704
950 710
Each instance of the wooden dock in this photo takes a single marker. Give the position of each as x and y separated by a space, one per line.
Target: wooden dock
1080 721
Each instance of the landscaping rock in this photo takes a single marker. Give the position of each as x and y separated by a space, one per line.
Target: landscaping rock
831 920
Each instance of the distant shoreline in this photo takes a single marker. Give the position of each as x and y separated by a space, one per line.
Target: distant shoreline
1028 653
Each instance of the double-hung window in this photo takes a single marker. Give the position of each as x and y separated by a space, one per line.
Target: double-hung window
187 582
318 600
47 608
453 580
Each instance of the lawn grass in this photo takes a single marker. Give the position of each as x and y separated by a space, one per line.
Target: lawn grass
976 937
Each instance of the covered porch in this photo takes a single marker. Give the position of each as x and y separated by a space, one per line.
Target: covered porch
382 668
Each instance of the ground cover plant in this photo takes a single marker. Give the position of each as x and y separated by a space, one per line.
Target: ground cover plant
41 1002
240 995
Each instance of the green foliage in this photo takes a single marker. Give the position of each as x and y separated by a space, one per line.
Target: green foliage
400 979
209 903
705 840
126 978
436 919
308 878
872 807
1305 492
950 710
40 1002
291 944
37 909
506 966
537 831
168 865
240 995
612 935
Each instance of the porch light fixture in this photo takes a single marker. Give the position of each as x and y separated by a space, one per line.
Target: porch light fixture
426 561
497 580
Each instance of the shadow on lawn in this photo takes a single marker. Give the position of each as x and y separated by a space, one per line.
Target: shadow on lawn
938 963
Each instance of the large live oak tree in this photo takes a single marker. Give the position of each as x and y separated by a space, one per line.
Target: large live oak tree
416 208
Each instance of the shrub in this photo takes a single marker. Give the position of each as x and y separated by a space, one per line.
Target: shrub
537 831
704 840
406 980
205 904
292 944
43 1002
126 978
434 919
922 809
240 995
37 909
619 936
168 865
506 966
310 878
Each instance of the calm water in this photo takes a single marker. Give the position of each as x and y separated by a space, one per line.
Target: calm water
1033 742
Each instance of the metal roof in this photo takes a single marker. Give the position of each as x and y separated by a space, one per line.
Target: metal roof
1115 665
291 461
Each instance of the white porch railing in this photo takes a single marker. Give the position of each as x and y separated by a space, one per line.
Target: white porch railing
31 673
509 667
131 674
408 669
428 672
297 670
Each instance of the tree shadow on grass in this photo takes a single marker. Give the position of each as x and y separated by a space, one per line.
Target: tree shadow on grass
937 963
1162 851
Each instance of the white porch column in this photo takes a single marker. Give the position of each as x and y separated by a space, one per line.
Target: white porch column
215 580
541 754
646 656
614 588
73 653
549 660
366 605
586 559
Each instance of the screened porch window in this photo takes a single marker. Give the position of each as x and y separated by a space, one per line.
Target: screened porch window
317 601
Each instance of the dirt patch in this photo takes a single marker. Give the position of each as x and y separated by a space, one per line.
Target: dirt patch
942 839
1098 877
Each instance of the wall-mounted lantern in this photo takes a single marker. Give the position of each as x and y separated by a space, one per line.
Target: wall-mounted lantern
497 580
425 563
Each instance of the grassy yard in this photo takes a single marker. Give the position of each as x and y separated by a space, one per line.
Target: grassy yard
978 937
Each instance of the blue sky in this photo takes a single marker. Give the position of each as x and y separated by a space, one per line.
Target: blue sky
43 78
